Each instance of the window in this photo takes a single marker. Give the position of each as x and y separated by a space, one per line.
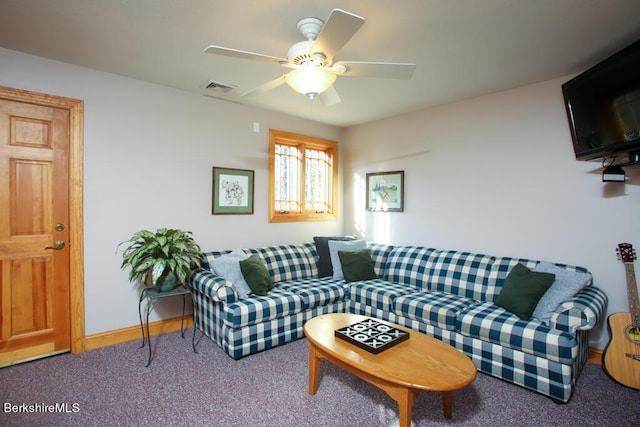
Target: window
303 178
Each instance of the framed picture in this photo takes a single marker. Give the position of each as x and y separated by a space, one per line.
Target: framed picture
385 191
232 191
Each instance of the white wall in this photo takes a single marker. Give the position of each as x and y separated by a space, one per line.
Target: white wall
148 152
494 174
497 175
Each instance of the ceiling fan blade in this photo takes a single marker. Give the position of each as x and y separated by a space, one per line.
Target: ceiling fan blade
384 70
266 87
336 32
218 50
330 97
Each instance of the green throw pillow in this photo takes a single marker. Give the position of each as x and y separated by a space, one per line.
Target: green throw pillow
523 289
256 275
357 265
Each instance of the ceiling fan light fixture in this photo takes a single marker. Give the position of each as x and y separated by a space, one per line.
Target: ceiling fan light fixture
314 71
311 81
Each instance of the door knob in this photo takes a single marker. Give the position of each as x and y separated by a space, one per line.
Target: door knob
59 244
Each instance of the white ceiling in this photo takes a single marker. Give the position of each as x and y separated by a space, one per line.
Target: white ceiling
462 48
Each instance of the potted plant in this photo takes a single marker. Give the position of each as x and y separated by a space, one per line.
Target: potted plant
164 259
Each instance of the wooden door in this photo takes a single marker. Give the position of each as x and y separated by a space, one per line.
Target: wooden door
34 231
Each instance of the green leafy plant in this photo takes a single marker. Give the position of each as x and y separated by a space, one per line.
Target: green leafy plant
153 257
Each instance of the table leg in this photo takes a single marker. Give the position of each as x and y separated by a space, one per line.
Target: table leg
148 333
193 337
447 403
142 295
314 367
184 304
405 398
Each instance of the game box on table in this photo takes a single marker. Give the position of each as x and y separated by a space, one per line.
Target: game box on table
372 335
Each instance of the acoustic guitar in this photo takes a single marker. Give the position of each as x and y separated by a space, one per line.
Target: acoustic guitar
622 354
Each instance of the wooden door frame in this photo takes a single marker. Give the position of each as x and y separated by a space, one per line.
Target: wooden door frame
76 220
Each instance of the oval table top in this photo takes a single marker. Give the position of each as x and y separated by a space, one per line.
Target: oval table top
421 362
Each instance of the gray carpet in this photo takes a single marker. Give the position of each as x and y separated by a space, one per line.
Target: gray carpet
110 386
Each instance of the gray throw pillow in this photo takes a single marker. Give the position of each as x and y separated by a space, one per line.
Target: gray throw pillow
228 267
335 246
324 258
566 285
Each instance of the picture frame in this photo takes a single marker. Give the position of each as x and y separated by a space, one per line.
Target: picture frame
232 192
385 191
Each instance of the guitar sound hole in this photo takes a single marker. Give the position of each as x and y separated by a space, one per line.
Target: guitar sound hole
633 334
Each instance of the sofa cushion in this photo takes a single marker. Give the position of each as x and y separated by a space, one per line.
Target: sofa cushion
290 262
336 246
256 309
438 309
208 257
378 293
315 291
567 284
228 267
499 271
523 289
409 265
488 322
357 265
256 275
324 258
460 273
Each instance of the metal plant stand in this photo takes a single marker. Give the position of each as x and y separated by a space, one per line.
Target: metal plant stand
152 296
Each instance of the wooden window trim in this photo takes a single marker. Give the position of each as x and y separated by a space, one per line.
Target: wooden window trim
288 138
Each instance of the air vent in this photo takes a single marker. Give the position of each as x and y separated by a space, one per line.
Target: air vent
213 86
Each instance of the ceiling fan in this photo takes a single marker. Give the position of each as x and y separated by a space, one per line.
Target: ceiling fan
314 71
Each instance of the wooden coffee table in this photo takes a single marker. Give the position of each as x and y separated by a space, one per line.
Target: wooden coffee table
403 371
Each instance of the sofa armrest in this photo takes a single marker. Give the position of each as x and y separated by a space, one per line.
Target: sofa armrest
581 312
214 287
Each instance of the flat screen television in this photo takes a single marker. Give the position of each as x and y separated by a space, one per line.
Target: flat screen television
603 107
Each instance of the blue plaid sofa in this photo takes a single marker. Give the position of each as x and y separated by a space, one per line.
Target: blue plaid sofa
245 326
446 294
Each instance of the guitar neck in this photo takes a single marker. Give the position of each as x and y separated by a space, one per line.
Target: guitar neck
632 293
